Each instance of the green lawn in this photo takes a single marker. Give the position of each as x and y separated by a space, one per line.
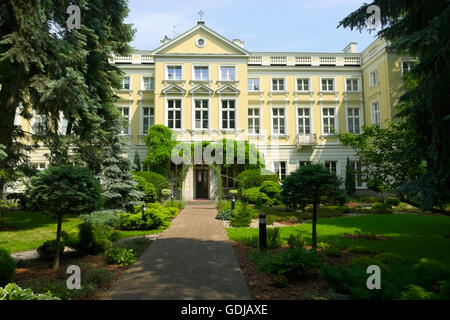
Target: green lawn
414 236
23 231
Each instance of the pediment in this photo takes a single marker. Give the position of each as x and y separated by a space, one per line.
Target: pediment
201 89
173 89
228 89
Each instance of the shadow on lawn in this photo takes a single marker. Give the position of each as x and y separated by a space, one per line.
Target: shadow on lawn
25 220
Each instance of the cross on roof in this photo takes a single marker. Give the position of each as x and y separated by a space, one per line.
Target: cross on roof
201 13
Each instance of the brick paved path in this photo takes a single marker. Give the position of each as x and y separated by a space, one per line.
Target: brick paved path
193 259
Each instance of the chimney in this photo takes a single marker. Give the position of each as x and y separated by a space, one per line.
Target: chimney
165 40
351 48
239 42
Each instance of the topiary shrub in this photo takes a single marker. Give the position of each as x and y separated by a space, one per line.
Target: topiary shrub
159 181
242 217
392 201
272 189
155 217
7 267
224 214
253 195
47 250
255 177
149 190
93 239
381 208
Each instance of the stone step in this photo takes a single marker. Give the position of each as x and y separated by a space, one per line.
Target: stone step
201 202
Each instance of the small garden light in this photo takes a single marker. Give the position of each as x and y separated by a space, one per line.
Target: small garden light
233 203
262 231
144 209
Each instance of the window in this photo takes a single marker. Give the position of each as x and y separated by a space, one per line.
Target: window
174 73
228 177
373 78
228 114
126 83
125 111
303 163
278 121
228 73
253 85
39 165
332 166
304 120
201 73
200 42
37 123
327 84
352 84
376 119
353 120
329 119
64 122
356 166
148 118
407 66
174 114
303 85
280 169
253 121
277 84
201 114
148 83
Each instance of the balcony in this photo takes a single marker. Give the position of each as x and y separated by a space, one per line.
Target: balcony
307 139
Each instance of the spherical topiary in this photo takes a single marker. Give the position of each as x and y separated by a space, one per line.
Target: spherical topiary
7 267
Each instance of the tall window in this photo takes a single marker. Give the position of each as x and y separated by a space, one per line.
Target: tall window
352 84
253 85
373 78
376 119
303 163
126 83
37 122
126 114
148 83
253 121
174 114
303 85
174 73
356 166
201 73
280 169
63 124
353 120
228 114
201 114
327 84
304 120
407 66
278 121
148 118
329 120
332 166
228 73
278 85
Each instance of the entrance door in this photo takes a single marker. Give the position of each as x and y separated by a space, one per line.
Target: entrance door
202 183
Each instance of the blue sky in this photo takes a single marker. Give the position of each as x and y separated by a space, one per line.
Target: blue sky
277 25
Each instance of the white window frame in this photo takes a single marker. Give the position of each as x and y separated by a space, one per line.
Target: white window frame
122 107
373 112
61 124
123 82
337 166
200 66
305 161
309 84
228 66
202 109
259 84
410 62
38 166
354 167
277 167
347 118
152 82
235 113
358 81
373 81
253 118
284 108
309 108
328 78
175 66
285 89
150 107
336 120
166 112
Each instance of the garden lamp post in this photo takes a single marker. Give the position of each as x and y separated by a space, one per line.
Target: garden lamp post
233 203
144 209
262 231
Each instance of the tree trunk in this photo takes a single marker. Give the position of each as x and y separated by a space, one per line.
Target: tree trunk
58 243
314 223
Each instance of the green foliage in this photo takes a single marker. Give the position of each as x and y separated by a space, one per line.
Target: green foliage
273 238
389 258
430 271
273 190
47 250
160 143
242 217
269 219
13 292
296 241
381 208
291 263
414 292
254 195
254 178
147 188
332 251
93 239
102 218
165 193
7 267
97 277
224 214
392 201
364 262
120 256
359 249
138 245
155 217
350 181
137 162
368 199
159 181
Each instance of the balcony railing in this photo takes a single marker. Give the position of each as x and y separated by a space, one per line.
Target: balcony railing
307 139
304 59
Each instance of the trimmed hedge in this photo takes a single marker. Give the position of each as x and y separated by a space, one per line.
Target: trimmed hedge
253 178
159 181
149 190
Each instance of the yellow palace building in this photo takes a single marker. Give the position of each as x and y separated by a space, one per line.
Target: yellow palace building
289 104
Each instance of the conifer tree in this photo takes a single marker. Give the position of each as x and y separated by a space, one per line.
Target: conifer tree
137 162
